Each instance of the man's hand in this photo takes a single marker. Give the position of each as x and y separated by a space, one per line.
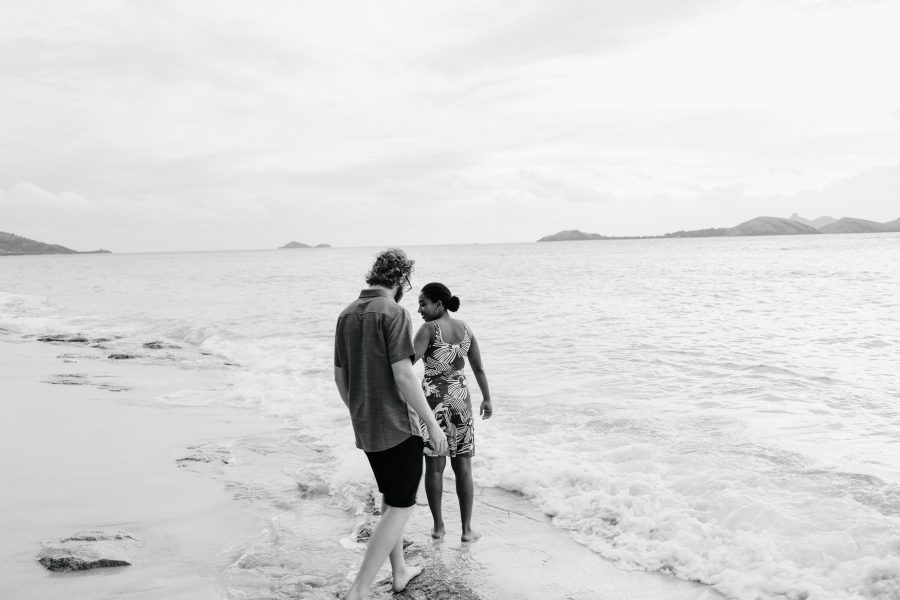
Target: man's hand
412 394
438 440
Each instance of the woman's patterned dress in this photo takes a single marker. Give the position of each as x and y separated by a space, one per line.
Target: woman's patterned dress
447 393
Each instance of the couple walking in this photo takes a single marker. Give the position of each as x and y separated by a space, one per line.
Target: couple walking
393 415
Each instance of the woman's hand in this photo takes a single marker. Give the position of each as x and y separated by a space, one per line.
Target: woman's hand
486 409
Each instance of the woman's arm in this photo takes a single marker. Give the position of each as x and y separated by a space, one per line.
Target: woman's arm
486 409
422 340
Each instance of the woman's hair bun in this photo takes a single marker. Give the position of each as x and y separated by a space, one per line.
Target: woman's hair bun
435 292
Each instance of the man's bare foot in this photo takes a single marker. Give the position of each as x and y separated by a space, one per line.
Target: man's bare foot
470 536
400 581
437 532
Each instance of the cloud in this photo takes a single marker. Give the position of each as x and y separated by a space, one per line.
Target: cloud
397 168
553 188
249 125
139 222
546 29
872 194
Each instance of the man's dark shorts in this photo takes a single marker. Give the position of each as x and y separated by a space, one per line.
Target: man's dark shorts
398 471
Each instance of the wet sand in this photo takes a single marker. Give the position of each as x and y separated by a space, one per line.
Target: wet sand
93 455
218 497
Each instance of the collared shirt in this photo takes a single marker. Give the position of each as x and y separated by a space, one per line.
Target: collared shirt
372 333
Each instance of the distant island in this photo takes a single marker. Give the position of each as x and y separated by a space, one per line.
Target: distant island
291 245
795 225
12 244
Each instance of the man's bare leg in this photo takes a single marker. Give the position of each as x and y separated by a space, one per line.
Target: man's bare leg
434 490
401 573
465 490
386 540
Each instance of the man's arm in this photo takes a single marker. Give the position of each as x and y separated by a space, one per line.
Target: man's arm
412 394
341 384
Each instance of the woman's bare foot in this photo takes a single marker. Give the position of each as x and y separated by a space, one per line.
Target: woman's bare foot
470 536
437 532
400 581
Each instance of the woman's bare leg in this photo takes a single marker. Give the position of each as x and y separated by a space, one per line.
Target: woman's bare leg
465 490
434 490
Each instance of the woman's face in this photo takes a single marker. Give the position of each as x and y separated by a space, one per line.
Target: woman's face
428 309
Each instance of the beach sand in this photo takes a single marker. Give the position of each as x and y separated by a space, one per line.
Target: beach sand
80 457
95 450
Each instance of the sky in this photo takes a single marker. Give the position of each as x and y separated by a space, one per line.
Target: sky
142 126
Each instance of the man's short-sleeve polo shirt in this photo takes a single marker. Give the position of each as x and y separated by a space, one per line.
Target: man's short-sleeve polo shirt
372 333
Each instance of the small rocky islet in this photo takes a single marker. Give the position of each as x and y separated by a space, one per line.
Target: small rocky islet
300 245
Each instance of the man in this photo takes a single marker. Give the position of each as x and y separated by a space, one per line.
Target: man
373 353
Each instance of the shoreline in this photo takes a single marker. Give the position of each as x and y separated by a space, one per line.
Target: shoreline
238 518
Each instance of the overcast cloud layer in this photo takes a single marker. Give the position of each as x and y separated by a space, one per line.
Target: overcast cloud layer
151 126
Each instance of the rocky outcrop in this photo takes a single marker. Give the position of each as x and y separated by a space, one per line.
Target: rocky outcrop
11 243
89 550
772 226
572 235
817 223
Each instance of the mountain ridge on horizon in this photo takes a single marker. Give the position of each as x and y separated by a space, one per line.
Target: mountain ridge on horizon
794 225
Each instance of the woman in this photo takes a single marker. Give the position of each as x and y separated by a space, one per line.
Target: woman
445 342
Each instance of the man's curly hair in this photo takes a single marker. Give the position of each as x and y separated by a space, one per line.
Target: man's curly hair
390 268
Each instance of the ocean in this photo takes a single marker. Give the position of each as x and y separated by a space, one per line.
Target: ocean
723 410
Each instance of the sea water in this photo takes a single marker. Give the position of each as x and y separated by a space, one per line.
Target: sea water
726 410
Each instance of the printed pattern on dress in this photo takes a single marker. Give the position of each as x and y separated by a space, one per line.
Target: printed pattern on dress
447 392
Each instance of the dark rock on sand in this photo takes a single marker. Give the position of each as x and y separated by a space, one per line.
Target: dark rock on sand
83 379
208 453
89 550
158 345
64 338
68 379
371 513
121 356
